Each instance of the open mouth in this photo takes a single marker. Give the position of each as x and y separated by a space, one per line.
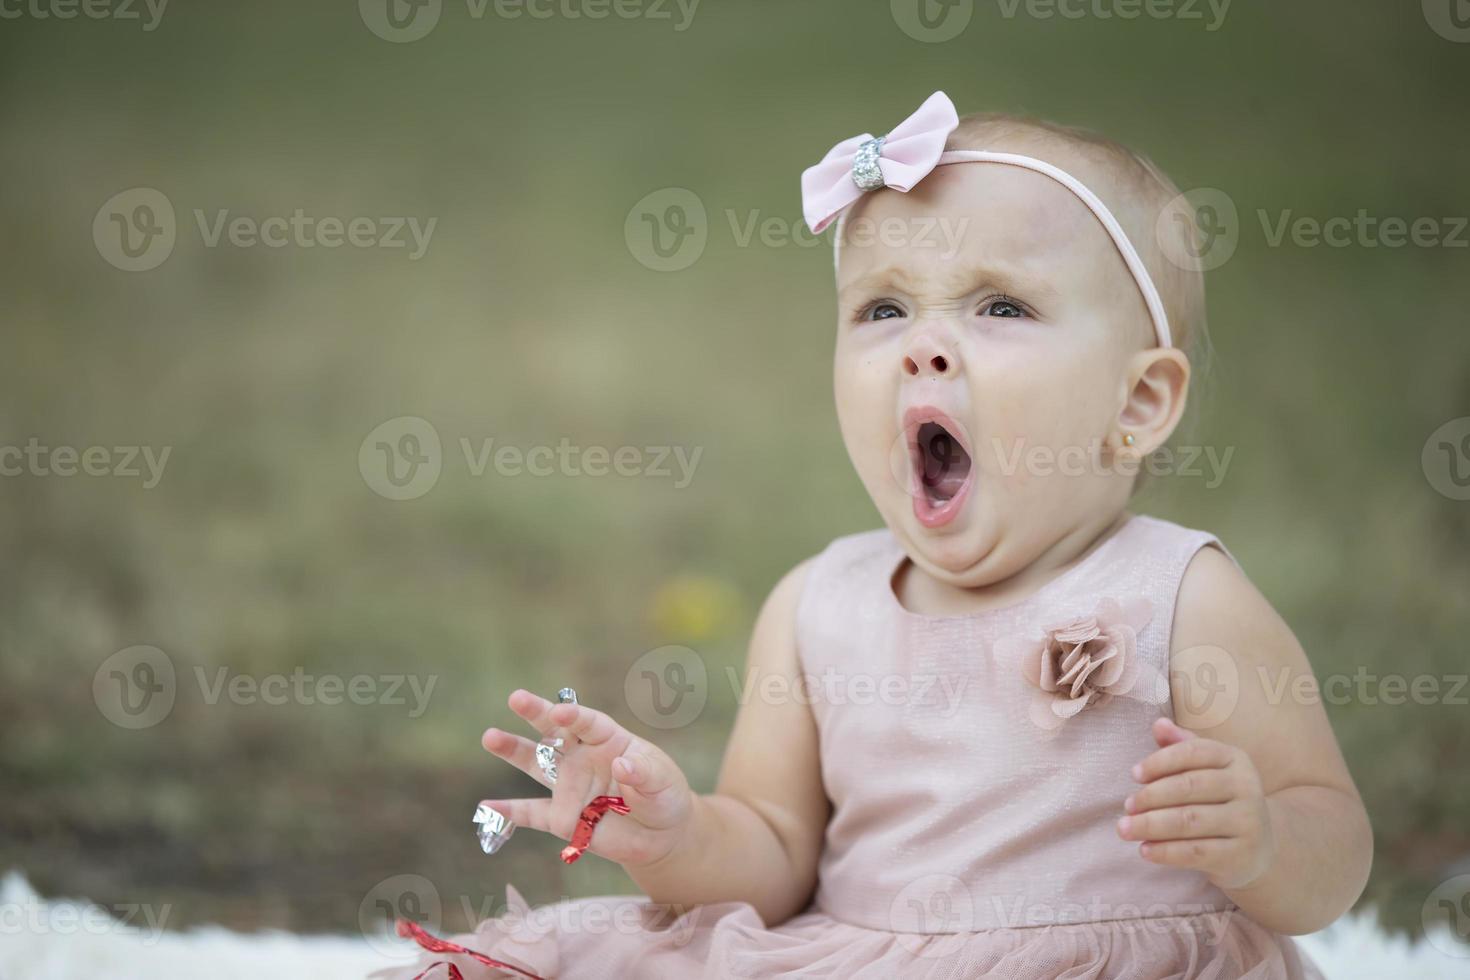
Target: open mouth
942 470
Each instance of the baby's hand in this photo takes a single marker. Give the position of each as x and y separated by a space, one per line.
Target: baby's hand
1201 807
600 757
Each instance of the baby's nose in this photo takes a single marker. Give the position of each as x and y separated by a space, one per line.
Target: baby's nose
925 357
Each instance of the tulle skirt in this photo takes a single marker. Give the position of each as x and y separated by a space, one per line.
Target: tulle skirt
626 936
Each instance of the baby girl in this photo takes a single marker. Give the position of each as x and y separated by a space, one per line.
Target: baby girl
1098 784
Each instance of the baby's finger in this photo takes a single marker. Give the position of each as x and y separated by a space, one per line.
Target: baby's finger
646 774
1194 786
1197 753
1199 855
588 724
535 814
650 780
1184 823
533 708
1168 732
515 749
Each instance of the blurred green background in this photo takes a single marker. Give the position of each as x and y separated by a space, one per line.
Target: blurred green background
533 317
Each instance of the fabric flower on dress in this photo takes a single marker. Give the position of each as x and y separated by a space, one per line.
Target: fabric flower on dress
1087 660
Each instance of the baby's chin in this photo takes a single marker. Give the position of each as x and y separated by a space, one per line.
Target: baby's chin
959 553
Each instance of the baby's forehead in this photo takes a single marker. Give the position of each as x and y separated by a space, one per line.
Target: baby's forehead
968 216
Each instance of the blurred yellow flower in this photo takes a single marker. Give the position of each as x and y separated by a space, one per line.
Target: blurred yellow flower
690 608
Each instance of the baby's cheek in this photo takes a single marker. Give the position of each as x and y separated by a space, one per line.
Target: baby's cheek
1011 404
865 411
865 373
1030 431
1061 404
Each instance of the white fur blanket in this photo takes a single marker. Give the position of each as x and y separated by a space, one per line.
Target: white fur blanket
60 939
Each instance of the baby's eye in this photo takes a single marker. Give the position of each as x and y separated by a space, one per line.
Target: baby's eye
882 311
1001 308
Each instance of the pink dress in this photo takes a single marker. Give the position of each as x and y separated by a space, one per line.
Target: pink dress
977 766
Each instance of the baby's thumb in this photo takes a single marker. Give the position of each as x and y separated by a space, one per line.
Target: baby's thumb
648 779
1167 733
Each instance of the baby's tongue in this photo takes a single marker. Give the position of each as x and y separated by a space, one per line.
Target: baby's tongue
946 464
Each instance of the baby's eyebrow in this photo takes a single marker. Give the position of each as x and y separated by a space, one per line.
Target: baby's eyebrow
878 279
1004 277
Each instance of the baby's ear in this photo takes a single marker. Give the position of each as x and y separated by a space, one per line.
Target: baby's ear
1157 384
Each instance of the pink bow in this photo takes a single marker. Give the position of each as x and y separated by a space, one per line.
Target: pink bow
908 153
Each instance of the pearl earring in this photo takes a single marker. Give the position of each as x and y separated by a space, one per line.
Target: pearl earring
1128 439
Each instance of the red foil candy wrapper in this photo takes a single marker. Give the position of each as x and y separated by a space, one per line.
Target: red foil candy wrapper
592 814
431 942
587 822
